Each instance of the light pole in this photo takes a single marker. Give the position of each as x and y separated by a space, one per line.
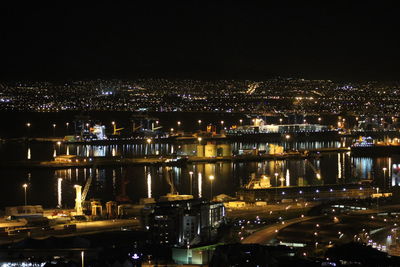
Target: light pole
25 186
191 182
240 121
67 125
29 128
384 178
54 129
211 177
199 122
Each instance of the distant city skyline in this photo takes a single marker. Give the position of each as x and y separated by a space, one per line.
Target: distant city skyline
277 96
200 40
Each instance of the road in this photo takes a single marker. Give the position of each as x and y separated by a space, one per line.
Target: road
262 211
269 232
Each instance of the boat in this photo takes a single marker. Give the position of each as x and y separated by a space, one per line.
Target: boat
259 130
366 146
259 183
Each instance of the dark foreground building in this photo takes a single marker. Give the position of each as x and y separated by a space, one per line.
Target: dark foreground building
185 222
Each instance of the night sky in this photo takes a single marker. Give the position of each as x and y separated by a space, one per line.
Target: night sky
200 39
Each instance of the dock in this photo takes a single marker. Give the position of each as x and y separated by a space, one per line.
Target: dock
88 162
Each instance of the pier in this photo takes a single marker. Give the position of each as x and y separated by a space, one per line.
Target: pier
87 162
336 191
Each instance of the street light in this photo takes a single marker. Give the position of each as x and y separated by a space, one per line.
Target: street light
67 124
280 120
199 122
199 139
29 128
25 186
54 129
191 182
148 140
240 121
211 177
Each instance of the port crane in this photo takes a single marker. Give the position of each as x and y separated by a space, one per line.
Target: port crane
317 173
81 196
141 126
170 181
116 131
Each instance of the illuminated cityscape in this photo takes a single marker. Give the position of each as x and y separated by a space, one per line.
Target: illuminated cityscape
200 134
280 95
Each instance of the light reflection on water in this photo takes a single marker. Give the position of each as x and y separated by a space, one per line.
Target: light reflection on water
46 151
141 182
138 182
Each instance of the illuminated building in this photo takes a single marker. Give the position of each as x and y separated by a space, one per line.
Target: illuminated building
179 223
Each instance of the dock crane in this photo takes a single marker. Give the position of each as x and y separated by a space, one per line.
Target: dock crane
170 181
116 131
317 173
155 128
81 196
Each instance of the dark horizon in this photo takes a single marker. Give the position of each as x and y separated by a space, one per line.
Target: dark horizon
200 40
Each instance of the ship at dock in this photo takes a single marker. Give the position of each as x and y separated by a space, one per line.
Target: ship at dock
367 146
259 130
88 131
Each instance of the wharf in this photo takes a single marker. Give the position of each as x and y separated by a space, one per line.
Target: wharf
315 192
166 161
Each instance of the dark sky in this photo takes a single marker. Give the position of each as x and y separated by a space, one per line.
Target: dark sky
200 39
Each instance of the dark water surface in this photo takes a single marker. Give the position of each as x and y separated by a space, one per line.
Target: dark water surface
141 181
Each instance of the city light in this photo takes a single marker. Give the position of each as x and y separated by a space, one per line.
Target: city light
207 100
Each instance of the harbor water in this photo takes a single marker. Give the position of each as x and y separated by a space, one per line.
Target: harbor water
55 187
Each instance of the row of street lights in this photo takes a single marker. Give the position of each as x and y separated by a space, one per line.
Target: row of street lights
54 125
